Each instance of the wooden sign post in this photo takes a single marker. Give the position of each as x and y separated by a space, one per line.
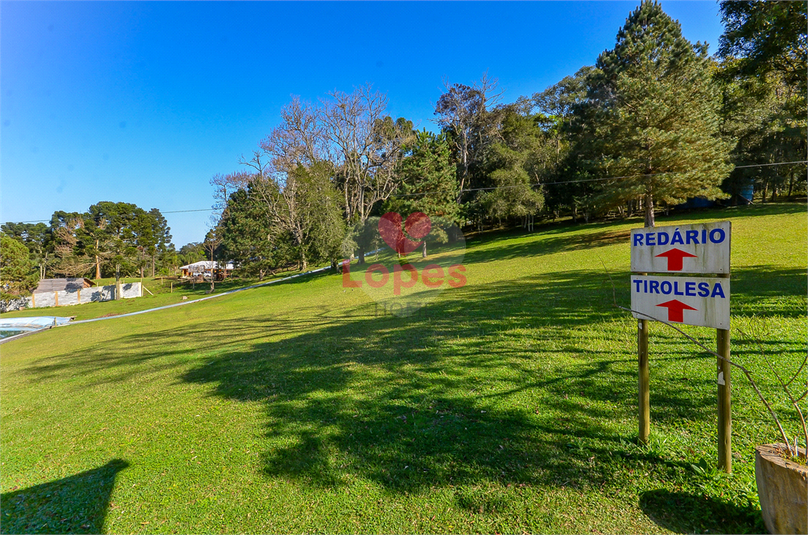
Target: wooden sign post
664 251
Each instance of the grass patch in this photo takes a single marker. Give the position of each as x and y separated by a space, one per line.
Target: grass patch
164 291
507 405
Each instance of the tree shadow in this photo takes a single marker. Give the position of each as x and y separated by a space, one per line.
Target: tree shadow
431 400
406 402
682 512
75 504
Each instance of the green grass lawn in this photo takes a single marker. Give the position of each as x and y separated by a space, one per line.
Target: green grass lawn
163 293
507 405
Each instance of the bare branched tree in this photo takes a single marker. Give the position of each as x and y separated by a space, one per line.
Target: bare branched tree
465 111
367 145
69 263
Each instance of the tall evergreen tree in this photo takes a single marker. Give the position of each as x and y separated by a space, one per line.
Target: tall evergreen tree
518 163
652 116
247 238
428 182
37 238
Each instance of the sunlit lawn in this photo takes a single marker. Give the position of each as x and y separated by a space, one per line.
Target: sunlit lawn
159 292
507 405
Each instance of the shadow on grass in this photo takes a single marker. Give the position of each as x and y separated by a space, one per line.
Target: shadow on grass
433 400
75 504
682 512
557 237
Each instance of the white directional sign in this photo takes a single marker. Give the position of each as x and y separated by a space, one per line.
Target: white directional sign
702 301
702 248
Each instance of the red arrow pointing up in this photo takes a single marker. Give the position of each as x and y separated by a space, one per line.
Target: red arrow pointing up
675 257
676 310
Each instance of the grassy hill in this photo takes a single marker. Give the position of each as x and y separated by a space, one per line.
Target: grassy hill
506 405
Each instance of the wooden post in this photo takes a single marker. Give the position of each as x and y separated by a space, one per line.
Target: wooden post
644 381
724 402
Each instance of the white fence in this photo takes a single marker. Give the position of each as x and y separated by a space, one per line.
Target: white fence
73 297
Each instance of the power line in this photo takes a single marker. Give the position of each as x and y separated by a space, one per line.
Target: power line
591 179
169 212
504 187
185 211
769 164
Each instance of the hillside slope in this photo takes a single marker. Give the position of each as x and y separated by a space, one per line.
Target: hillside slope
508 404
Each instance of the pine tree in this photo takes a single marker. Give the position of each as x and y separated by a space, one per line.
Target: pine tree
651 116
428 181
518 163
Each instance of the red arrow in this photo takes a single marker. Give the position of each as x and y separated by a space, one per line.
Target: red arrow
675 257
676 310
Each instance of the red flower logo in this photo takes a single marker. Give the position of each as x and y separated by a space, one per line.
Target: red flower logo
417 226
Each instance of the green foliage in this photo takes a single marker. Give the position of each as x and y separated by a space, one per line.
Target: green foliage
18 274
428 182
303 208
324 228
652 116
38 238
762 113
190 253
764 49
508 406
766 37
247 238
517 164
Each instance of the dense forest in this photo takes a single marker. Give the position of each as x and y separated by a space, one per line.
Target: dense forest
655 123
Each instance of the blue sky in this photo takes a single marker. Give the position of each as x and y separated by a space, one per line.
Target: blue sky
145 102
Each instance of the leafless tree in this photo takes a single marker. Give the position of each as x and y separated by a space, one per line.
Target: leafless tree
349 135
69 263
367 145
466 111
224 186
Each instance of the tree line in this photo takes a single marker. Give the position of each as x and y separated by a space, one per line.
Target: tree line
110 239
653 123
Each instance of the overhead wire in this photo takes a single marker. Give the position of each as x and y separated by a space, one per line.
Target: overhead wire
468 190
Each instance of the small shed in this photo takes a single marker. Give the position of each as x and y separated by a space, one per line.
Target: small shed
60 285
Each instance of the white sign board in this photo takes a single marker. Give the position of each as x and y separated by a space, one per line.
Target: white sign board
702 248
702 301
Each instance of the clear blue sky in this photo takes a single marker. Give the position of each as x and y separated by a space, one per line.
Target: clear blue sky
145 102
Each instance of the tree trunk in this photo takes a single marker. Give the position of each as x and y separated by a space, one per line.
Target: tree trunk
423 250
649 210
152 266
790 182
97 267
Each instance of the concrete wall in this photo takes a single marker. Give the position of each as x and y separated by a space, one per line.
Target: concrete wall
75 297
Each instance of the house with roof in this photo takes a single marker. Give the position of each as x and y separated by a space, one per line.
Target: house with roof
207 269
